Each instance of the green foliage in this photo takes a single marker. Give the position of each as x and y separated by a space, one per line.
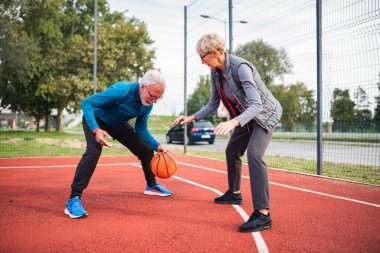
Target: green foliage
159 124
269 61
200 98
298 104
376 117
47 55
363 118
342 109
122 51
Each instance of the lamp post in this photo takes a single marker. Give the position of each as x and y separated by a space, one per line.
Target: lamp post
217 19
95 43
225 29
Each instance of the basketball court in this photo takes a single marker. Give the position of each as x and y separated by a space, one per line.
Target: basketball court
310 214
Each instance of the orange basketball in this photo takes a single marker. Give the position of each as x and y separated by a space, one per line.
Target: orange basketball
164 165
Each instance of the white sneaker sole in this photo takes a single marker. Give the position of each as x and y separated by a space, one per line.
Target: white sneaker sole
67 212
157 194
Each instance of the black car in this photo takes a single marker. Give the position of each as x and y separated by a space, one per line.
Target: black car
197 131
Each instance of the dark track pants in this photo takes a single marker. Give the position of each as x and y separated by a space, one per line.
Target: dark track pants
255 140
127 136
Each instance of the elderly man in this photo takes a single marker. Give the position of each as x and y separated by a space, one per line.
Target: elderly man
106 115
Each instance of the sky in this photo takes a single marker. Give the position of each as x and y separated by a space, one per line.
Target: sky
164 20
165 23
351 41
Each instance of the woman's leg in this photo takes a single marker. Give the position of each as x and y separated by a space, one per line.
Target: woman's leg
258 170
234 151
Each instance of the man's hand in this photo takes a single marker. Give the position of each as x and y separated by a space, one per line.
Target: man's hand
99 137
183 120
162 149
225 127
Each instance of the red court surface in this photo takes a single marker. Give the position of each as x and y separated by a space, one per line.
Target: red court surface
310 214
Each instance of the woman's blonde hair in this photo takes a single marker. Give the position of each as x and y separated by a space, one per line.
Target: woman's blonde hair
210 42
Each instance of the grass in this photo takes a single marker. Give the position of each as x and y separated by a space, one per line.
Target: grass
38 144
358 173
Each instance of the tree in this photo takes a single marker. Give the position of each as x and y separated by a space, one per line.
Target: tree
342 109
200 98
363 118
59 68
361 99
363 114
19 58
269 61
298 104
376 117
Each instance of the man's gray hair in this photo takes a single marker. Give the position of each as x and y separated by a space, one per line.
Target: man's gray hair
153 77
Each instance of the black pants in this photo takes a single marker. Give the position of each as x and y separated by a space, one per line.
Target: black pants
255 140
127 136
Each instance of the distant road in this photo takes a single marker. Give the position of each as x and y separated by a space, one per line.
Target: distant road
337 152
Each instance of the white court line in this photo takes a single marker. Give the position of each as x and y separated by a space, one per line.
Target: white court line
260 243
204 168
60 166
290 187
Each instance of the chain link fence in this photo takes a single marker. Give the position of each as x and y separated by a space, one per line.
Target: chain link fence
350 75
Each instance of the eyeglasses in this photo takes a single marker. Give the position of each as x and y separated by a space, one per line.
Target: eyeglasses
153 97
202 57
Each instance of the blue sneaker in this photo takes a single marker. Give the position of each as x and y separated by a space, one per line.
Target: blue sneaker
157 190
74 208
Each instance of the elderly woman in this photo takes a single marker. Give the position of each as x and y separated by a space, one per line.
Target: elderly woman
254 114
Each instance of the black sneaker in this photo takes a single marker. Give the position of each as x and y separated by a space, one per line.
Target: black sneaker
229 198
256 222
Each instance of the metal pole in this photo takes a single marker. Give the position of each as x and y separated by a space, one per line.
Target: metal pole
230 46
230 25
319 89
185 82
95 42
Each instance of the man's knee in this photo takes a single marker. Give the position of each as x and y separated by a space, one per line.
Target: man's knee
146 153
93 152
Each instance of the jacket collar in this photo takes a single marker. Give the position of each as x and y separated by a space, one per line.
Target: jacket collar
227 65
136 92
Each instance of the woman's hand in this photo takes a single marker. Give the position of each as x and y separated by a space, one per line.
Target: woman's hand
225 127
183 120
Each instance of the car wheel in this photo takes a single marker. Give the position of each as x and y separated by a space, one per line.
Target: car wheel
168 139
190 142
211 142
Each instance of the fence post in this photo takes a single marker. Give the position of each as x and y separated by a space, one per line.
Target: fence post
319 89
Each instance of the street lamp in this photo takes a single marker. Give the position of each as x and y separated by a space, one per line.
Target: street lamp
225 24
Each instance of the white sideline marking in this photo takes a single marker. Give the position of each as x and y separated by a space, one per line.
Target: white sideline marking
260 243
200 167
290 187
60 166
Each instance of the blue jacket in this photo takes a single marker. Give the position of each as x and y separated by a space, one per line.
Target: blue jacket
115 106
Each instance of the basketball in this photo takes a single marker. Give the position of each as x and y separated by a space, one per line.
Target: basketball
164 165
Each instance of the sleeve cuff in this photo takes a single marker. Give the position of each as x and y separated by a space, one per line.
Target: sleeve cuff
95 130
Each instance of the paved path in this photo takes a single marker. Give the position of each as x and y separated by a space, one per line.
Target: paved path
337 152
